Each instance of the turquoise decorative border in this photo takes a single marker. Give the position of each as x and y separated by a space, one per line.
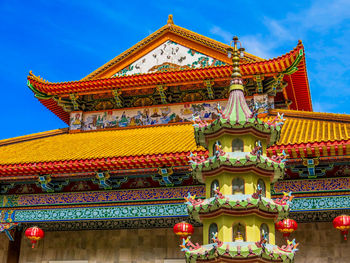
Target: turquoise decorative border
299 204
320 203
99 213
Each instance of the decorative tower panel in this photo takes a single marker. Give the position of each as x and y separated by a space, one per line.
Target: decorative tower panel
238 214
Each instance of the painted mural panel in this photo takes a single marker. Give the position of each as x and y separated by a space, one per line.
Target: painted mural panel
156 115
145 116
169 56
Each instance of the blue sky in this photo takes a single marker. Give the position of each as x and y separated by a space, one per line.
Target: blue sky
66 40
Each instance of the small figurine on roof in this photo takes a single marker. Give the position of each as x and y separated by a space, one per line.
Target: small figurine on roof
258 193
218 150
198 122
219 110
191 199
218 194
285 200
257 150
280 158
195 158
187 245
277 121
291 246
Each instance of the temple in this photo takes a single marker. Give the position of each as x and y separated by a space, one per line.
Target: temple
179 128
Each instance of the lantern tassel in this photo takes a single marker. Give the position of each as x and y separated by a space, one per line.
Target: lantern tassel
345 234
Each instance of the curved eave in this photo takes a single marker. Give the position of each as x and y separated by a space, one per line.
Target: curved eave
242 212
52 105
218 128
267 67
213 171
298 88
326 149
233 252
88 165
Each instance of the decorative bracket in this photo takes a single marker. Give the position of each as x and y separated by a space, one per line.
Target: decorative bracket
7 216
73 98
165 176
276 83
209 85
5 187
312 168
44 183
64 103
9 229
259 85
161 91
310 164
118 98
102 180
116 182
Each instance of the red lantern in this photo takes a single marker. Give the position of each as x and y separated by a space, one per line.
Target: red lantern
342 223
183 230
34 234
286 226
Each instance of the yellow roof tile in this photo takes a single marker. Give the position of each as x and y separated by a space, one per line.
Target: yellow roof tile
59 145
99 144
309 127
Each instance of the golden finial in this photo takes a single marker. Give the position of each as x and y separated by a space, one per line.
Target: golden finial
170 20
235 53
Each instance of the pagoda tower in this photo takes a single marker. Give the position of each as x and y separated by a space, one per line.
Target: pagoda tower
238 214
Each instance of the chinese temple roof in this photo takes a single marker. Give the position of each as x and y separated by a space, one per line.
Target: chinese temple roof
313 133
153 146
291 65
170 32
272 66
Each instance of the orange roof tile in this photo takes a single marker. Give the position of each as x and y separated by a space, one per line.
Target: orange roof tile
152 79
297 89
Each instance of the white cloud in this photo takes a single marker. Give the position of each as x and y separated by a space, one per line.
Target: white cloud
255 46
225 35
325 30
252 44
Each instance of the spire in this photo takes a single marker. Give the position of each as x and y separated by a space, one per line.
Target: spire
170 20
237 110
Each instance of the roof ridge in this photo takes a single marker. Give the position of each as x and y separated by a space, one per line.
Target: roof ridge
166 28
38 78
312 115
220 45
41 80
33 136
